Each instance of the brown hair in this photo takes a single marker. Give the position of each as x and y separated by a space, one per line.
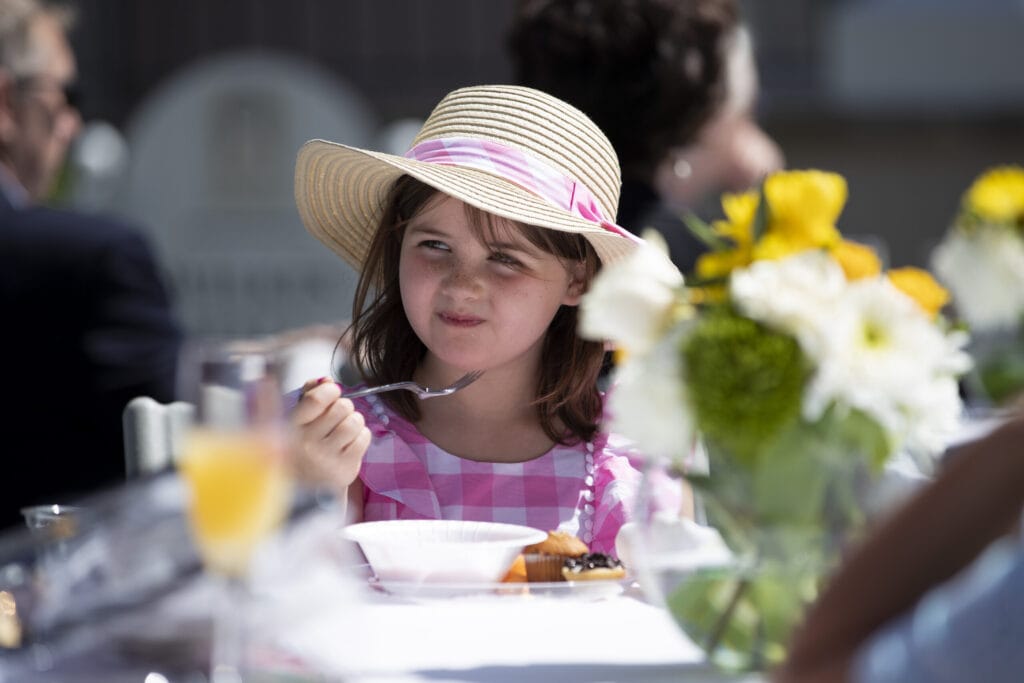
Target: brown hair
386 349
650 73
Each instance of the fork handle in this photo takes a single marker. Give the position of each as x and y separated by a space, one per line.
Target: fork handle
375 390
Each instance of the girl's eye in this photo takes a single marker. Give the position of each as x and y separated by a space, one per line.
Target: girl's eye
435 245
506 260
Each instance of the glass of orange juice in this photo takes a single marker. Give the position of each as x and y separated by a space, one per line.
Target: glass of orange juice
234 463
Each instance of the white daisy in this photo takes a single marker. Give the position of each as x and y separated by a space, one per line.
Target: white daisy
795 295
885 358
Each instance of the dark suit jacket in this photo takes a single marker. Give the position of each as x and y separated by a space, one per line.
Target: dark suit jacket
86 327
640 207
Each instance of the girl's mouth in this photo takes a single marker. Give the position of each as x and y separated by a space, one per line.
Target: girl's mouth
459 319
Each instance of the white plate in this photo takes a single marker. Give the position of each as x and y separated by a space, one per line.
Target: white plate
577 590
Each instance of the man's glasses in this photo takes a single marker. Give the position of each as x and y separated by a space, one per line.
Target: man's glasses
71 91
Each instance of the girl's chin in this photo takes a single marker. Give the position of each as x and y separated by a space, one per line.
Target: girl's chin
468 357
462 362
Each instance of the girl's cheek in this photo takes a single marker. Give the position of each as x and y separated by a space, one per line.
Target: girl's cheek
417 263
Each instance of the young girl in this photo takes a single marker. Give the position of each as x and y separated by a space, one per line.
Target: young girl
474 251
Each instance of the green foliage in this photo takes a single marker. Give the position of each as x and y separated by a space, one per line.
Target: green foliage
857 435
802 489
746 381
1002 376
762 216
743 619
705 233
785 514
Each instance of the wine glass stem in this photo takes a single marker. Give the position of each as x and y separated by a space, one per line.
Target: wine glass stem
229 632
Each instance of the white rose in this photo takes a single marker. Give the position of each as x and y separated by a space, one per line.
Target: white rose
631 301
648 402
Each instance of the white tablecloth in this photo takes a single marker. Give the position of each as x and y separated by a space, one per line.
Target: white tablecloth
343 628
387 636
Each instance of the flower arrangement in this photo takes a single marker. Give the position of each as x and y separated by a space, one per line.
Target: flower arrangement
981 259
797 362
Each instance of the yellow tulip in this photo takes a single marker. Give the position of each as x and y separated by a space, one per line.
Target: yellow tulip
777 246
921 287
805 205
718 264
857 260
740 210
997 195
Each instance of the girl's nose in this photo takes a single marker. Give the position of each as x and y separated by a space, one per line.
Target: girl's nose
462 279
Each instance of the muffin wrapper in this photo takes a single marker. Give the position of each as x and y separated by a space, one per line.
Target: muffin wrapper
544 567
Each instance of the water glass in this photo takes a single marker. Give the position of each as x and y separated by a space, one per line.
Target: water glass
68 554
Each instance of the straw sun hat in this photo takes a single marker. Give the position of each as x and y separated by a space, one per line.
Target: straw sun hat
507 150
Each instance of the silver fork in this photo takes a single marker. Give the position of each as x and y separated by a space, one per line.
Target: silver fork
421 391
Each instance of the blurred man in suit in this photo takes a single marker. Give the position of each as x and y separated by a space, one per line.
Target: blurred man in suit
86 320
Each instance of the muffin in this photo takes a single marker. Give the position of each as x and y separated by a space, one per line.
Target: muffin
544 560
592 567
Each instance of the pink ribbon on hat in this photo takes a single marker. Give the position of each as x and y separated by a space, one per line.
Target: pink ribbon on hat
520 168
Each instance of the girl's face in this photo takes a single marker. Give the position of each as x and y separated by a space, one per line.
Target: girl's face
479 306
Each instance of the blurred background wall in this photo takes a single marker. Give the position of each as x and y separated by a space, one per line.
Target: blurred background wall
909 99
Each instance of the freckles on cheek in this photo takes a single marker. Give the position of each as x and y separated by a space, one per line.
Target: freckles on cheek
432 268
412 266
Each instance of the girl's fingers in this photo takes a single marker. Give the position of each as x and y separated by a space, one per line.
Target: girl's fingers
317 397
328 420
344 432
332 435
336 458
348 460
312 383
340 468
357 448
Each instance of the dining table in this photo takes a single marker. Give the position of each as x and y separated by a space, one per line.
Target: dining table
120 596
130 602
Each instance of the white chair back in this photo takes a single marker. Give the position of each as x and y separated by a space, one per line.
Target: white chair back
210 178
153 434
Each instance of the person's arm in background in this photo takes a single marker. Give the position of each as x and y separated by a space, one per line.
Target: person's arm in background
976 499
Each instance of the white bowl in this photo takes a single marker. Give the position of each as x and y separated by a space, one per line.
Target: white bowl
441 551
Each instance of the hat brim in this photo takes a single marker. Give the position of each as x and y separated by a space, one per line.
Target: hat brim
340 193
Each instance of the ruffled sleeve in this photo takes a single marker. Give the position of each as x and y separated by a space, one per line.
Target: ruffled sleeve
616 483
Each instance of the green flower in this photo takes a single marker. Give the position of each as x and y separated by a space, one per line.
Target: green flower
745 380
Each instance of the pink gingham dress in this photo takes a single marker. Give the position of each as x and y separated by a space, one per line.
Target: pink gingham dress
587 489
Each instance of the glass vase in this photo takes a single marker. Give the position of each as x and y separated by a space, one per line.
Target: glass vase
738 582
997 378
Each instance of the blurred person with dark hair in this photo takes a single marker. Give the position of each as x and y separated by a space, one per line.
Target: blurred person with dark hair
936 594
87 322
673 85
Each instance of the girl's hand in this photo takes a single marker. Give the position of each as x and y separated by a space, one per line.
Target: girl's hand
331 437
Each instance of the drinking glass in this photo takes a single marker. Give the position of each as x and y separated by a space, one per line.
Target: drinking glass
66 554
234 463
